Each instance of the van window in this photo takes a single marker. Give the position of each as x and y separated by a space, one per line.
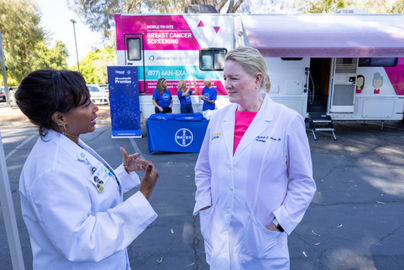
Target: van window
378 62
212 59
133 49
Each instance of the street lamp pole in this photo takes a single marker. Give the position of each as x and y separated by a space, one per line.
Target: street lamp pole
77 52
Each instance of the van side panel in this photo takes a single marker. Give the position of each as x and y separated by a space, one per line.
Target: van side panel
378 103
171 50
288 79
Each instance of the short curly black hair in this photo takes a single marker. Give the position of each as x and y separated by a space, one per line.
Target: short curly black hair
46 91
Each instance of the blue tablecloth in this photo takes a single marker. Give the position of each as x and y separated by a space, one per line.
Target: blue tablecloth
171 135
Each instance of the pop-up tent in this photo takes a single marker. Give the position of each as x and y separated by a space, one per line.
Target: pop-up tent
7 207
326 36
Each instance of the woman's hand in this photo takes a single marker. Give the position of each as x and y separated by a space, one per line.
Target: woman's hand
149 179
272 227
160 109
131 162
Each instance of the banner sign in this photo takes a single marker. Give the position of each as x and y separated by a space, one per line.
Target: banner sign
124 101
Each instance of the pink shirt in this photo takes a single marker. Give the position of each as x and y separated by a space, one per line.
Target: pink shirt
242 122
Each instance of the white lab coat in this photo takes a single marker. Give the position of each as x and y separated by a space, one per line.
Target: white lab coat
272 164
71 224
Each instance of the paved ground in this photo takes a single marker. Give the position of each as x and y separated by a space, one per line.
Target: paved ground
355 221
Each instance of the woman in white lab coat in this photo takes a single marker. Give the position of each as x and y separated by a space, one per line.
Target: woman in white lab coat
71 198
254 172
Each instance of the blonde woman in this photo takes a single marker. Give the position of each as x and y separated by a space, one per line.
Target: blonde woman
184 96
254 174
162 99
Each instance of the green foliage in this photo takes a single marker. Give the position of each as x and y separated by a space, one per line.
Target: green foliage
54 58
397 7
20 32
10 80
94 66
25 44
331 6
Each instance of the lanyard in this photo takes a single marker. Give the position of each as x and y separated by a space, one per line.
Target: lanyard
116 179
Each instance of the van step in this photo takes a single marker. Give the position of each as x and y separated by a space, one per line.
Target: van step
320 121
324 129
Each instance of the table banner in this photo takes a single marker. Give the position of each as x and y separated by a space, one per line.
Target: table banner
175 136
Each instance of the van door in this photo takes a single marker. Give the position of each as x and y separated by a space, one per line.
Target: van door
342 85
134 56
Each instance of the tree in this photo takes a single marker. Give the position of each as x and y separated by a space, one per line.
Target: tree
331 6
94 66
19 23
106 57
323 6
45 57
397 7
320 6
25 43
98 14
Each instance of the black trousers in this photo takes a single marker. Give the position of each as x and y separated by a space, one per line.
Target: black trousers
165 110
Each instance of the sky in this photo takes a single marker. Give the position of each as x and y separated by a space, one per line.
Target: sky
56 18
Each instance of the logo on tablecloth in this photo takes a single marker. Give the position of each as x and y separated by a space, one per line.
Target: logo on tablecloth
184 137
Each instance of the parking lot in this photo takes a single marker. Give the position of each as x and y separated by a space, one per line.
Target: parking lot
354 222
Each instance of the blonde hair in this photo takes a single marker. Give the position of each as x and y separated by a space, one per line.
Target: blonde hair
252 62
160 85
181 86
207 82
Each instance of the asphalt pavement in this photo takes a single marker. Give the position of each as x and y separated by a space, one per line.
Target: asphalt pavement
354 222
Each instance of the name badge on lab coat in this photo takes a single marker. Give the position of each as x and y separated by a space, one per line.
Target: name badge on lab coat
100 177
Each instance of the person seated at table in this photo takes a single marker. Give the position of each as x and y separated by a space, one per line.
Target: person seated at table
162 99
208 96
184 96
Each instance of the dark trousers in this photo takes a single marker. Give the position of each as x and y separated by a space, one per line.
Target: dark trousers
187 109
165 110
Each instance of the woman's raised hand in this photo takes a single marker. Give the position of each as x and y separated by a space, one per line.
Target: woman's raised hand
134 163
149 179
131 162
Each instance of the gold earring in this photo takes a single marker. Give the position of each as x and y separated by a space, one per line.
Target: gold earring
64 128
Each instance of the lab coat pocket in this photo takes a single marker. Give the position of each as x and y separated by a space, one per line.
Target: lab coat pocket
258 242
206 230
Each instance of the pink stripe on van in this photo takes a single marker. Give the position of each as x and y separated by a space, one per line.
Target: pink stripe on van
165 32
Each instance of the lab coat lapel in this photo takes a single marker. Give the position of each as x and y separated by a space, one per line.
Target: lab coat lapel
228 129
68 145
93 153
257 126
73 149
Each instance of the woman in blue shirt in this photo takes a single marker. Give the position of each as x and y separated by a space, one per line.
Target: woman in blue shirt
184 96
162 99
